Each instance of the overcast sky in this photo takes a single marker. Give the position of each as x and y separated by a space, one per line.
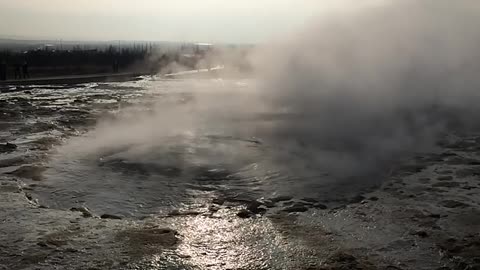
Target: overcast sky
245 21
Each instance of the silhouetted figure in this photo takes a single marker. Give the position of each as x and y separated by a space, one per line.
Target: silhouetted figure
18 72
25 70
3 71
115 66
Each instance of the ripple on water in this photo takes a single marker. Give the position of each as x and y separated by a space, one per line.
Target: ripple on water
136 181
158 180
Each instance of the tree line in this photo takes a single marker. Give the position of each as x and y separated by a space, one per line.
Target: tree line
79 60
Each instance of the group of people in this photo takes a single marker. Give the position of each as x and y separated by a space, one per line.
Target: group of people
20 71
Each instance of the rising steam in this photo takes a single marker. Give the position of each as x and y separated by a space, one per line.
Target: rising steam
347 93
377 83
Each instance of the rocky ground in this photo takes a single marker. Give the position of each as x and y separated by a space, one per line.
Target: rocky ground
425 215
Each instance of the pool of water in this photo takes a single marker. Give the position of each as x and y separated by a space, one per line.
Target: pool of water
147 147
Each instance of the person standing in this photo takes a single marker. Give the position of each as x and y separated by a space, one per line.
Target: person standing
115 66
25 70
18 73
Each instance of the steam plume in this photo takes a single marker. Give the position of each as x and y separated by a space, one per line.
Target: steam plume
348 93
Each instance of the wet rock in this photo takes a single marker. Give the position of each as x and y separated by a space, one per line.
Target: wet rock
256 207
411 168
453 204
219 201
421 233
433 215
392 267
253 205
309 200
343 261
12 162
337 208
399 245
269 203
444 178
44 143
42 244
213 208
320 206
71 250
466 250
7 147
12 187
429 225
38 127
85 212
240 198
295 208
77 121
450 245
110 216
56 239
356 199
281 199
141 241
244 213
447 184
176 212
29 172
288 203
341 257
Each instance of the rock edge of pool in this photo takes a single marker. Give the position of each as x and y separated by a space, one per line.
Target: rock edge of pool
425 214
427 219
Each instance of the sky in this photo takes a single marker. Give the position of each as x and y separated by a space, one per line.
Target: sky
230 21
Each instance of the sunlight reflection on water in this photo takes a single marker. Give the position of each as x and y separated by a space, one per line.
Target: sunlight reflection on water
229 243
